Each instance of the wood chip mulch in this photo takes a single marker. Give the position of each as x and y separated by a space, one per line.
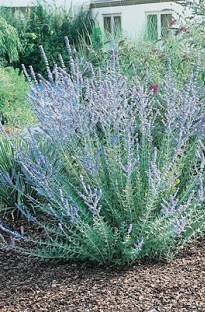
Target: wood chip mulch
27 285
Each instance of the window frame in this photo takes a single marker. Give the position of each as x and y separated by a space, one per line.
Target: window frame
22 10
159 14
112 16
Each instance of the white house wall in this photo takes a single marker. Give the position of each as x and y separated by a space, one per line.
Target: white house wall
133 17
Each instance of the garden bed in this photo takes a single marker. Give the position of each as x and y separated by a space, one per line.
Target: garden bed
29 285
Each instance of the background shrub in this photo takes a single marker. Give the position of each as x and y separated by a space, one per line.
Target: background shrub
10 44
47 26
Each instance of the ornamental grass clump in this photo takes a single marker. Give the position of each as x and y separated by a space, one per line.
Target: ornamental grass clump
125 178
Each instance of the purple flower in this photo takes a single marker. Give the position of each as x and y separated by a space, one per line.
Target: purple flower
154 88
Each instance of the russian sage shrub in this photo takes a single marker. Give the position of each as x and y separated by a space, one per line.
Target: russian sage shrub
125 178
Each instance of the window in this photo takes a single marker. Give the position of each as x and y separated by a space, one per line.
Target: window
112 24
165 23
22 11
158 24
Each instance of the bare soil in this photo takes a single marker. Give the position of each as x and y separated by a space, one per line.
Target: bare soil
27 285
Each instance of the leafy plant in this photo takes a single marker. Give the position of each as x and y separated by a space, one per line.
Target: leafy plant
10 45
175 48
125 176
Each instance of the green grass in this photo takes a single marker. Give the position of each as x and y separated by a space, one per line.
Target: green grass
13 99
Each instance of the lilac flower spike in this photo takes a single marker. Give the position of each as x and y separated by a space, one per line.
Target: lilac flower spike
178 226
91 198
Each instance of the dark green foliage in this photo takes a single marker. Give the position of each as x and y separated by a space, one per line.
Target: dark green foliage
48 27
10 44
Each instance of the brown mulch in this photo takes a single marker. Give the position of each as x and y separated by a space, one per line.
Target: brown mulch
27 285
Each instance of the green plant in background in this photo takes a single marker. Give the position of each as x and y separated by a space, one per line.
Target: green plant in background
47 25
10 44
42 27
175 48
19 43
13 103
